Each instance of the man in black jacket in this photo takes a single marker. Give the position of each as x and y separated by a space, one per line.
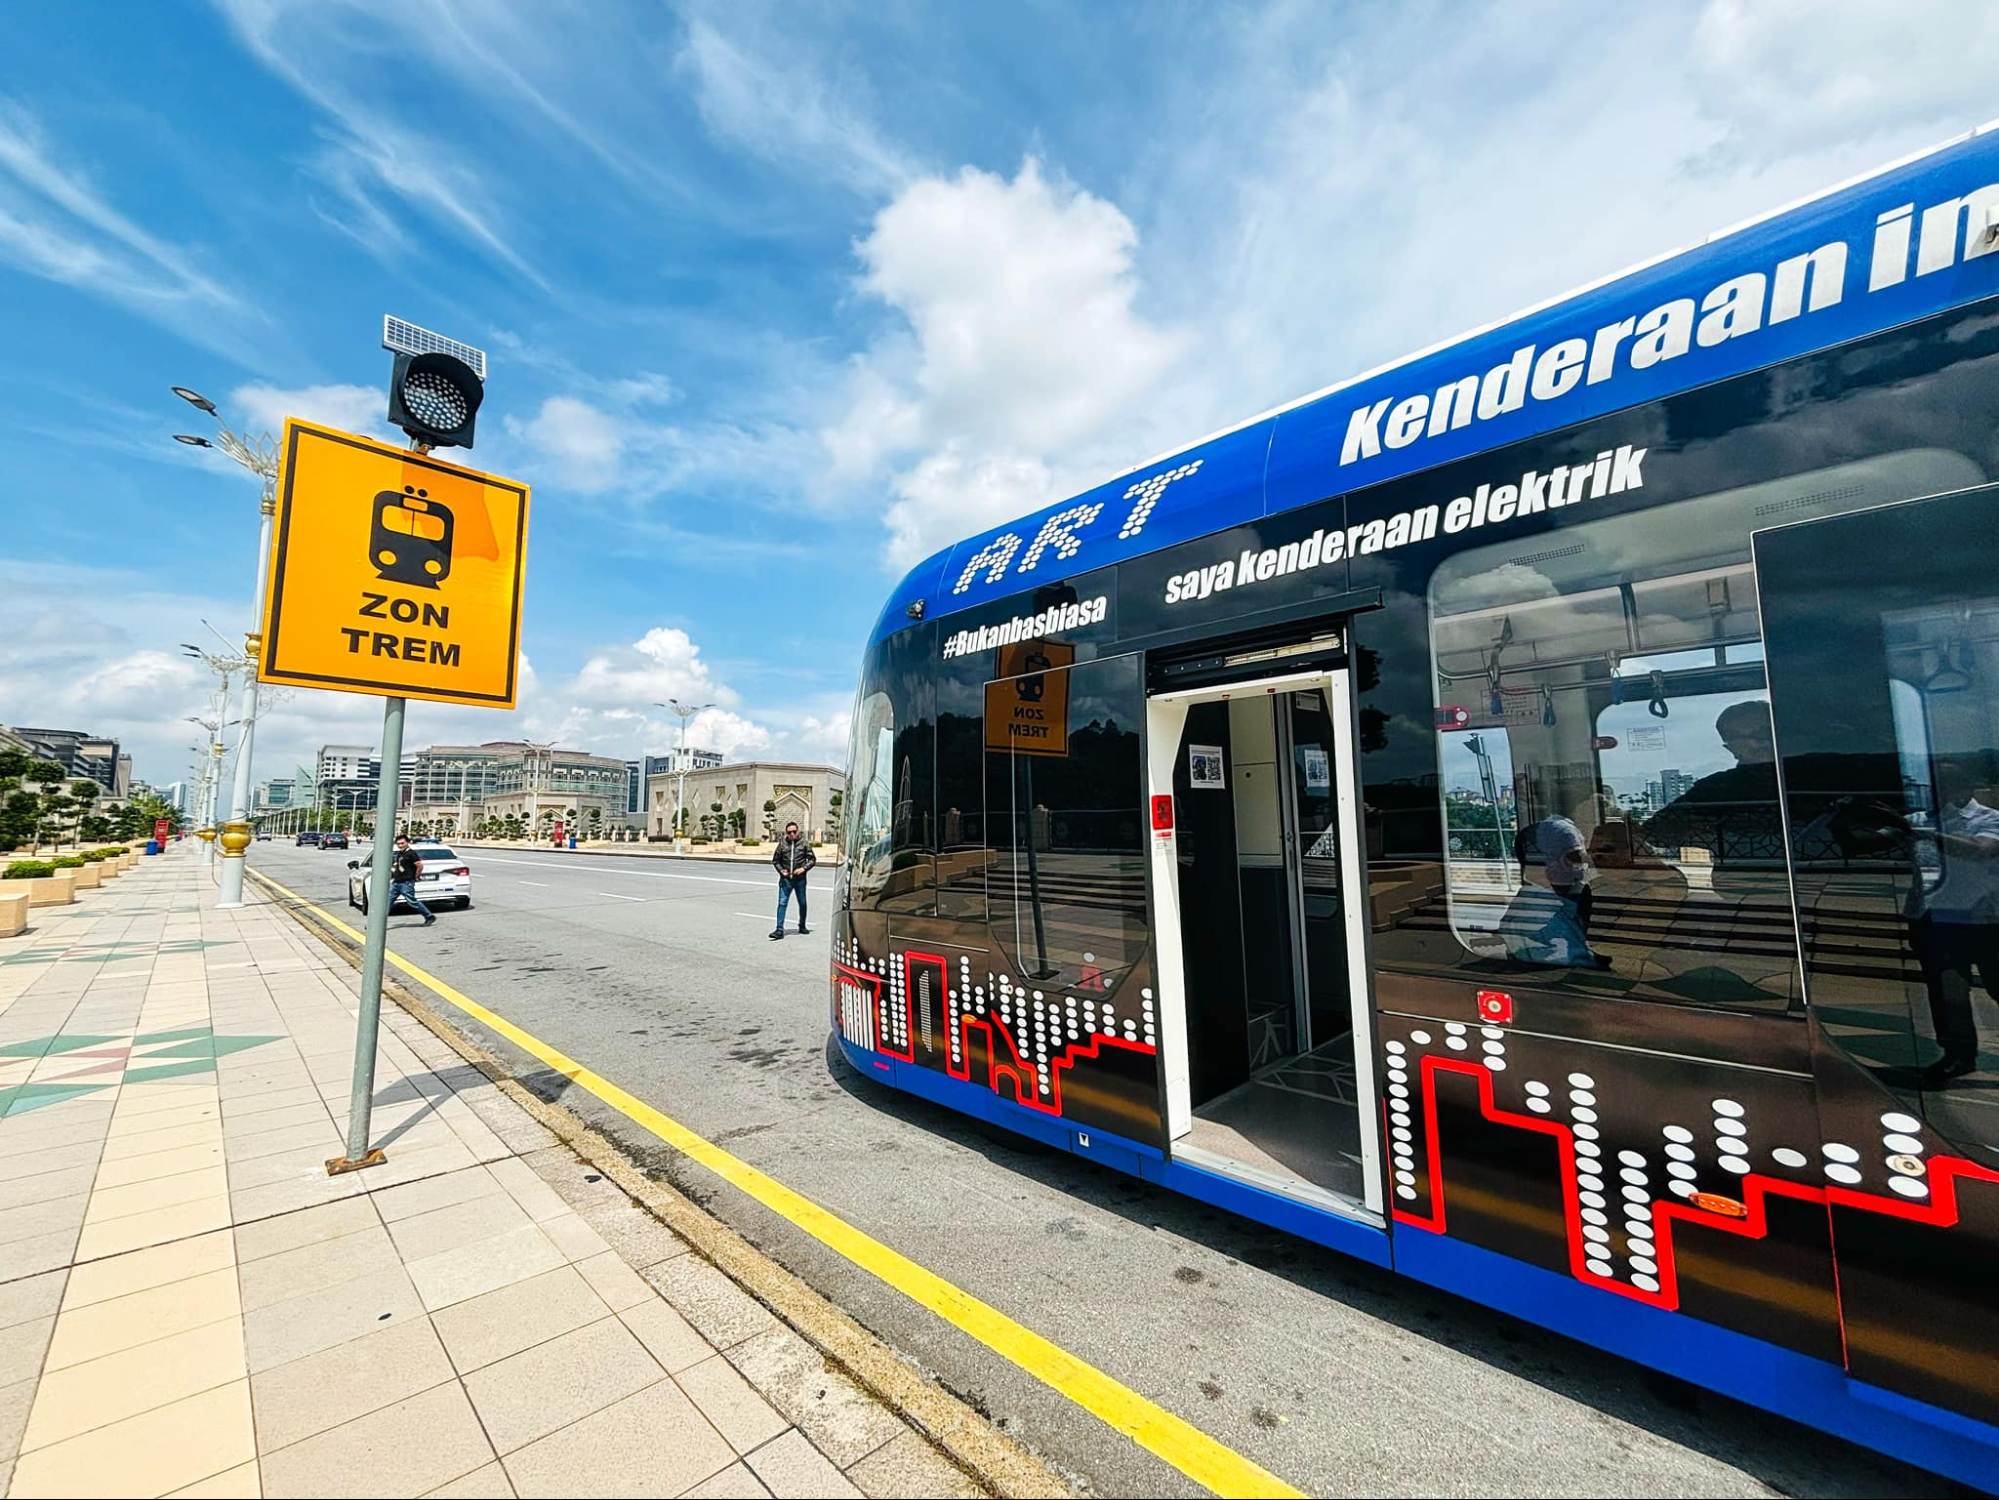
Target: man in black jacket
793 859
403 870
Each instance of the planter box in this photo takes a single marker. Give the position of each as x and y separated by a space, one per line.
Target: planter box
108 869
88 877
50 890
13 909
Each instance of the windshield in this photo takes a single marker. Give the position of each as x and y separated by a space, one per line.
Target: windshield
431 851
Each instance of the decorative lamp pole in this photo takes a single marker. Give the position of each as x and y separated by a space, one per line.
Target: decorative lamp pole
260 456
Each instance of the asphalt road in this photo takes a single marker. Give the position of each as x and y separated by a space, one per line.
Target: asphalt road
1337 1377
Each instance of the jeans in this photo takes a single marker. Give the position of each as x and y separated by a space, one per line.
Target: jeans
405 890
786 885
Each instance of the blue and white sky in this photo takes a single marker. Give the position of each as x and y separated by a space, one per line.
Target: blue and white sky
781 298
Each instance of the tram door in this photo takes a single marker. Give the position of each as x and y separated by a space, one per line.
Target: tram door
1257 894
1881 630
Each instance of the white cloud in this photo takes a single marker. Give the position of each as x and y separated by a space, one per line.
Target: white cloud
56 224
786 111
351 408
663 663
582 445
1023 355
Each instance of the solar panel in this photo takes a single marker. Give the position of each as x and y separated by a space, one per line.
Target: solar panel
407 338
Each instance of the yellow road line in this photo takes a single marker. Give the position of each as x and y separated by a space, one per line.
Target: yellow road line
1178 1442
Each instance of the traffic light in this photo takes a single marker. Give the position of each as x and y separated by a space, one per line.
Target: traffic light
435 397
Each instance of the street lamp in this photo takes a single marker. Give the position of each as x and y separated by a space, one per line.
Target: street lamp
260 456
685 713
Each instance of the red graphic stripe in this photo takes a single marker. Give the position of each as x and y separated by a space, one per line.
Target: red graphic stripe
1025 1075
1941 1210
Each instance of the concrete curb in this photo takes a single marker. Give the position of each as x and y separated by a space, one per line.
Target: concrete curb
999 1463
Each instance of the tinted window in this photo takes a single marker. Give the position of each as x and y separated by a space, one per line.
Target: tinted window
1630 678
1066 877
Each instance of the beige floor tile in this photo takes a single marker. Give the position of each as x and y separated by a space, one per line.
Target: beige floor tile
91 1395
573 1237
147 1142
651 1443
239 1483
540 1201
907 1465
139 1099
433 1193
483 1267
481 1330
461 1224
30 1298
285 1331
668 1337
730 1405
489 1483
287 1138
531 1394
284 1232
154 1164
792 1469
304 1112
166 1448
159 1192
736 1482
22 1348
617 1283
308 1396
151 1121
636 1235
124 1274
87 1333
323 1263
405 1449
307 1190
155 1227
301 1164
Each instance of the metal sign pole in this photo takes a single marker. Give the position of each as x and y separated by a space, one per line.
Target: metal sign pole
360 1102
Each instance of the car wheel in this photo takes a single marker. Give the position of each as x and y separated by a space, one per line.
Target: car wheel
364 906
464 903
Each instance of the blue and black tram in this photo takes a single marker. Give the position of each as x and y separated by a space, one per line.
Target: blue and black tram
1527 816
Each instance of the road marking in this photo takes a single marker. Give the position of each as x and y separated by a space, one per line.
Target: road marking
1203 1459
614 896
540 885
754 916
549 864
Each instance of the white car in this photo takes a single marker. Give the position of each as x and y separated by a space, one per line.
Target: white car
442 878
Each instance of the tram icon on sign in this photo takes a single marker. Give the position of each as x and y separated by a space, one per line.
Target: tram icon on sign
410 541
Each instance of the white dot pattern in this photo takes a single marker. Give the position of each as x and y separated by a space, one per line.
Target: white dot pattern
1146 493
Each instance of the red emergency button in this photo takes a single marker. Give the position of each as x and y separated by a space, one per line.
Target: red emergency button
1495 1006
1162 814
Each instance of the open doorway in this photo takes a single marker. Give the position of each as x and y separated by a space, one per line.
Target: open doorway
1259 899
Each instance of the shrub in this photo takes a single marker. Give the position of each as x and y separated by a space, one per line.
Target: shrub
90 856
70 862
28 869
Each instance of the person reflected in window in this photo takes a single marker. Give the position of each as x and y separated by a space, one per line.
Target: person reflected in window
1954 924
1732 814
1549 917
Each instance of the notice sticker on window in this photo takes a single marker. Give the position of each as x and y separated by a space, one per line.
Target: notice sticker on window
1204 768
1318 770
1649 737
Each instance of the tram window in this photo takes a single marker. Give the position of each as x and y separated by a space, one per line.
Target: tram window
1607 725
870 803
1066 878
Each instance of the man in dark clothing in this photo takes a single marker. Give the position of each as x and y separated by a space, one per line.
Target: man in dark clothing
403 870
793 859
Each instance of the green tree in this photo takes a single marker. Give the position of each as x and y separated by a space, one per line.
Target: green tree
770 819
835 808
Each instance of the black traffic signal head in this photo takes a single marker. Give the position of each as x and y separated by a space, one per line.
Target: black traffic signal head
434 398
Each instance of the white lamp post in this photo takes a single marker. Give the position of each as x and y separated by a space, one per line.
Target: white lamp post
685 712
260 456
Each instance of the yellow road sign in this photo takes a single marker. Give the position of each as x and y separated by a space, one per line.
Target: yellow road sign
1029 714
393 573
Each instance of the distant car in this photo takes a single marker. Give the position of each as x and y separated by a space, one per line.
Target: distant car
308 838
442 877
333 841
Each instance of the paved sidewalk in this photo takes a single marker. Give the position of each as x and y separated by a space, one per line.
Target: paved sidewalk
189 1305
